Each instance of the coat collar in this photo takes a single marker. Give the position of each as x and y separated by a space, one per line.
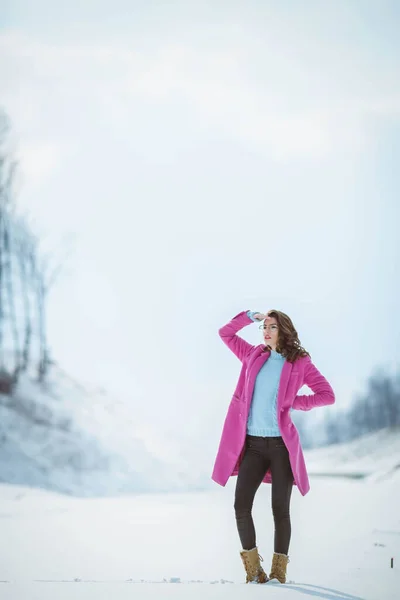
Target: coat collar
284 381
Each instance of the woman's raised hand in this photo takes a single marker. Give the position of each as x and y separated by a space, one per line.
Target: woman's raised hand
259 316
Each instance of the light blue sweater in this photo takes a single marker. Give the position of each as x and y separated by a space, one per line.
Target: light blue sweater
263 418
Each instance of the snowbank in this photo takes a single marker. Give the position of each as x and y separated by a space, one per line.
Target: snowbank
67 438
374 456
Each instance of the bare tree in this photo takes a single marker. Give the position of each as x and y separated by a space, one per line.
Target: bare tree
7 296
333 429
26 249
27 274
46 274
3 199
9 279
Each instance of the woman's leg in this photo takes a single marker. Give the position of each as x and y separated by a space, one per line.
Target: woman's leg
252 469
282 484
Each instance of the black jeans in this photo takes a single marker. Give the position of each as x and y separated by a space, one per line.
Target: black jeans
262 453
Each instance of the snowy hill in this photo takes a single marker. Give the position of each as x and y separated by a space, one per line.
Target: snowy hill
66 438
374 456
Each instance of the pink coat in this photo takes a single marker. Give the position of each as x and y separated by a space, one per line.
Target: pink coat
293 377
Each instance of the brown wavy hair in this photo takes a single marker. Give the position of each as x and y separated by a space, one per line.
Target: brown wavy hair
288 340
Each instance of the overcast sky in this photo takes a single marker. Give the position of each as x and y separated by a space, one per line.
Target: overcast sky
210 157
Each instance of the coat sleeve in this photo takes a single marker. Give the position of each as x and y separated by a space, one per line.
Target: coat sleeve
323 392
227 333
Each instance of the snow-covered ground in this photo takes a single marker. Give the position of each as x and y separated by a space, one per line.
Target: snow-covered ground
69 438
345 533
145 544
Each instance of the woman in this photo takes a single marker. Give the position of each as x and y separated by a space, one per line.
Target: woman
259 441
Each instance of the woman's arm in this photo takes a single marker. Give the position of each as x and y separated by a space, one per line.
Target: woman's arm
227 333
323 392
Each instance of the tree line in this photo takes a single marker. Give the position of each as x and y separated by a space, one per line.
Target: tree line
377 408
26 277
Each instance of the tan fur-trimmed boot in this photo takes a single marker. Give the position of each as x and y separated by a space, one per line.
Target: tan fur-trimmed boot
254 571
278 567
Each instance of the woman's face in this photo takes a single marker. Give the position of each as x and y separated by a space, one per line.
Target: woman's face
270 332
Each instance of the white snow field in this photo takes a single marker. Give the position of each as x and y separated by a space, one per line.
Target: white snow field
344 534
